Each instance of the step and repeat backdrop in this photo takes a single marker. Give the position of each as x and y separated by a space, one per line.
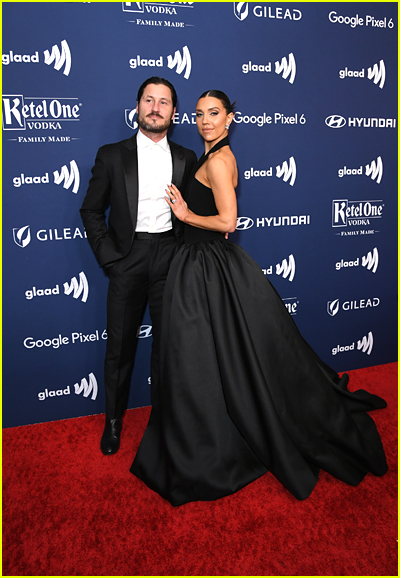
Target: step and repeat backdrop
315 136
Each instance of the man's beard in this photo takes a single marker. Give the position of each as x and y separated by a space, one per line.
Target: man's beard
153 127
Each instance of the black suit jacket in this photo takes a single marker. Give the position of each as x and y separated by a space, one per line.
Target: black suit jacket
114 184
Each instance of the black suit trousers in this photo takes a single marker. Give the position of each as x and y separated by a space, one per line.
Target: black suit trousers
135 280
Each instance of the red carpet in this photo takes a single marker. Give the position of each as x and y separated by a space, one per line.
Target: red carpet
70 511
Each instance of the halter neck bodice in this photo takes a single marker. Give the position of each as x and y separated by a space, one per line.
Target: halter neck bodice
200 200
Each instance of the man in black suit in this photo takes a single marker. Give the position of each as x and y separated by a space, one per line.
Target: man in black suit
139 241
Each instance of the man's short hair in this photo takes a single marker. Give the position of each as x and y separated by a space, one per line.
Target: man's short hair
158 80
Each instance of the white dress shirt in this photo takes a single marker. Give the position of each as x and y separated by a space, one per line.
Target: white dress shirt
155 174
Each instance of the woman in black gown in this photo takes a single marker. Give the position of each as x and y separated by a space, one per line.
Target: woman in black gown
241 393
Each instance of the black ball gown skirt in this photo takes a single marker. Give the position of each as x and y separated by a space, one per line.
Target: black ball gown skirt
241 392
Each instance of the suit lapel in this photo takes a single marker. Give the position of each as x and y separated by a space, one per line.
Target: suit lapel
130 163
178 164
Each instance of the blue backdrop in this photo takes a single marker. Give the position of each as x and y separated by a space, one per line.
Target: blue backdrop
315 138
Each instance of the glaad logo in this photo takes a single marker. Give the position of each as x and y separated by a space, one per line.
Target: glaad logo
375 73
347 213
364 345
22 237
68 177
144 331
286 67
337 121
60 58
181 62
78 289
287 171
374 170
86 387
378 74
241 10
334 306
130 115
370 261
244 223
287 269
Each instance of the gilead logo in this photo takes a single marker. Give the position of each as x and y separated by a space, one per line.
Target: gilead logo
334 306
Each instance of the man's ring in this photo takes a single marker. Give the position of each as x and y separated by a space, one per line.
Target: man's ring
173 201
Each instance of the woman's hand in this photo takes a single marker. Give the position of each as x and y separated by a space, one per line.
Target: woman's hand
176 202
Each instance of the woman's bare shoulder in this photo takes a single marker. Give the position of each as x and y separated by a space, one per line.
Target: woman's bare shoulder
222 158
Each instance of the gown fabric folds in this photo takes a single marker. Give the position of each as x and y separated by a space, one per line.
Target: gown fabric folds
241 392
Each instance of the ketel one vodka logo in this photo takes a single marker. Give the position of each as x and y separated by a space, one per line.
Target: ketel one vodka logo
165 8
22 113
59 59
85 387
347 213
69 178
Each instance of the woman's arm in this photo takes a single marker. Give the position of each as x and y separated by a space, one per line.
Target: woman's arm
220 174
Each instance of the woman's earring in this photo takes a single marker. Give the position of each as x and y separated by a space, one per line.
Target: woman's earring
227 126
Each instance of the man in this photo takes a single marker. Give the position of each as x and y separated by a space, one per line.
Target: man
139 241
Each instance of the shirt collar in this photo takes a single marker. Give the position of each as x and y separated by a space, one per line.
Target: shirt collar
144 142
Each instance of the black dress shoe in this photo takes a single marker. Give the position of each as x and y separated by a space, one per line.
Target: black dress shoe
111 436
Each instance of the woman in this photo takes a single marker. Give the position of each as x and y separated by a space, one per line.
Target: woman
241 392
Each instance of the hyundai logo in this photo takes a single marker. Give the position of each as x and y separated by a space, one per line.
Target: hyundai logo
244 223
335 121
